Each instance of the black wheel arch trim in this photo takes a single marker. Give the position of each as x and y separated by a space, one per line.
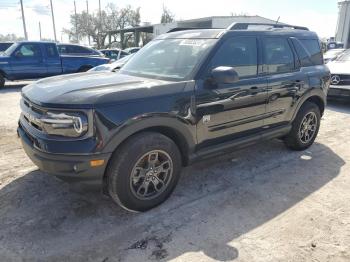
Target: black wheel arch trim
181 131
316 96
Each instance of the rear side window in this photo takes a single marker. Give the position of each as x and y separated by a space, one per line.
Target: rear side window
51 51
240 53
314 49
278 55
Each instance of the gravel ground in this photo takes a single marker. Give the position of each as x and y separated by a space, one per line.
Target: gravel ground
263 203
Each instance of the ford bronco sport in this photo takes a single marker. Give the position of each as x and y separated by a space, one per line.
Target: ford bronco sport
185 96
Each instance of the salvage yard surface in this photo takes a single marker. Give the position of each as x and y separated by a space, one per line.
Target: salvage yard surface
263 203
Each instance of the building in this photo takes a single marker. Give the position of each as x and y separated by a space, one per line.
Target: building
343 26
206 22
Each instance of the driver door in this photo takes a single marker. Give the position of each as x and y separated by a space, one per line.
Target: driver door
229 111
27 62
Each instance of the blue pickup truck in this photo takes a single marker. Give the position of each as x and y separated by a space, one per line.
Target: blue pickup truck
31 60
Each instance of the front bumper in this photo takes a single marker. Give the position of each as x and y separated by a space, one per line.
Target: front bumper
73 168
338 91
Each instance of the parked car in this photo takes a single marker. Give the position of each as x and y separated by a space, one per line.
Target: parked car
334 45
340 76
77 50
5 45
32 60
332 54
132 50
184 97
112 67
114 54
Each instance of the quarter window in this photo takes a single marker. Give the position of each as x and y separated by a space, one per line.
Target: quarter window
240 53
314 49
278 56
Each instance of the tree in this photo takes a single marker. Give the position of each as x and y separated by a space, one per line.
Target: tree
10 38
97 26
167 16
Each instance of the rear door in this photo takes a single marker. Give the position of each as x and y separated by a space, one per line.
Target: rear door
285 79
228 111
53 60
28 61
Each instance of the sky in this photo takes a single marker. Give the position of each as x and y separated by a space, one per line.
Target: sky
318 15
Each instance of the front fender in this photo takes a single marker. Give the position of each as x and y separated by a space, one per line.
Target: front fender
183 128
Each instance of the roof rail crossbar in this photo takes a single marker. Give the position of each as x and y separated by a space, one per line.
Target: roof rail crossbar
244 26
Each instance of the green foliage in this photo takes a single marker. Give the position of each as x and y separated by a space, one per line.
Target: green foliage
97 25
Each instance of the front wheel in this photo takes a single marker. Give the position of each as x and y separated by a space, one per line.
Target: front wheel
304 127
144 171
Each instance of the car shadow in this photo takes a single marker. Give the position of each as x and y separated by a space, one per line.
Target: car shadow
215 202
340 106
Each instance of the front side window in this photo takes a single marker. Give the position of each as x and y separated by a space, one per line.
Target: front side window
240 53
278 56
173 59
29 50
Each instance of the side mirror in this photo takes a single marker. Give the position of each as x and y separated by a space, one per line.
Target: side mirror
224 75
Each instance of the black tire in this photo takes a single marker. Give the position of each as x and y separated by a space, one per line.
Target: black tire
296 140
2 81
120 172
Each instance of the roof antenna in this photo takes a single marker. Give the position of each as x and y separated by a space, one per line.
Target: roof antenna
278 19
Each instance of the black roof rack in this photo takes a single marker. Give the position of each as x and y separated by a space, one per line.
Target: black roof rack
176 29
244 26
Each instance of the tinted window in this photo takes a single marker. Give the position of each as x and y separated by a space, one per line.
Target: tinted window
62 49
314 49
304 56
29 50
240 53
278 56
51 51
80 50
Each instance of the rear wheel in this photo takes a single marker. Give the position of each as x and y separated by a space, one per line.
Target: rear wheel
144 171
2 81
304 128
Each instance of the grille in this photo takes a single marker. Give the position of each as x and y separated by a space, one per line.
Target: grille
344 80
31 114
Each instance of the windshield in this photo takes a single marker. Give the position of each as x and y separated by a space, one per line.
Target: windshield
344 56
10 50
170 59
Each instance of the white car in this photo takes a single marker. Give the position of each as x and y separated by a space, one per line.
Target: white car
340 76
114 66
332 54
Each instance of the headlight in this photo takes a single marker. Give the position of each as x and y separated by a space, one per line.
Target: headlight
66 124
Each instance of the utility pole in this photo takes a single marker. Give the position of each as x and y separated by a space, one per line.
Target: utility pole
53 21
87 12
76 24
100 23
24 22
40 30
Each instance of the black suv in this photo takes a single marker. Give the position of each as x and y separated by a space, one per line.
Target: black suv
186 96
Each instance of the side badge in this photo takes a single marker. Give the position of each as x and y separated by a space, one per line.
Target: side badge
206 119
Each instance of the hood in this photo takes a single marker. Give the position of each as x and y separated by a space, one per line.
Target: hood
339 67
88 90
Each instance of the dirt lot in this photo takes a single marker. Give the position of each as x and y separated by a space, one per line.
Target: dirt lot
263 203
